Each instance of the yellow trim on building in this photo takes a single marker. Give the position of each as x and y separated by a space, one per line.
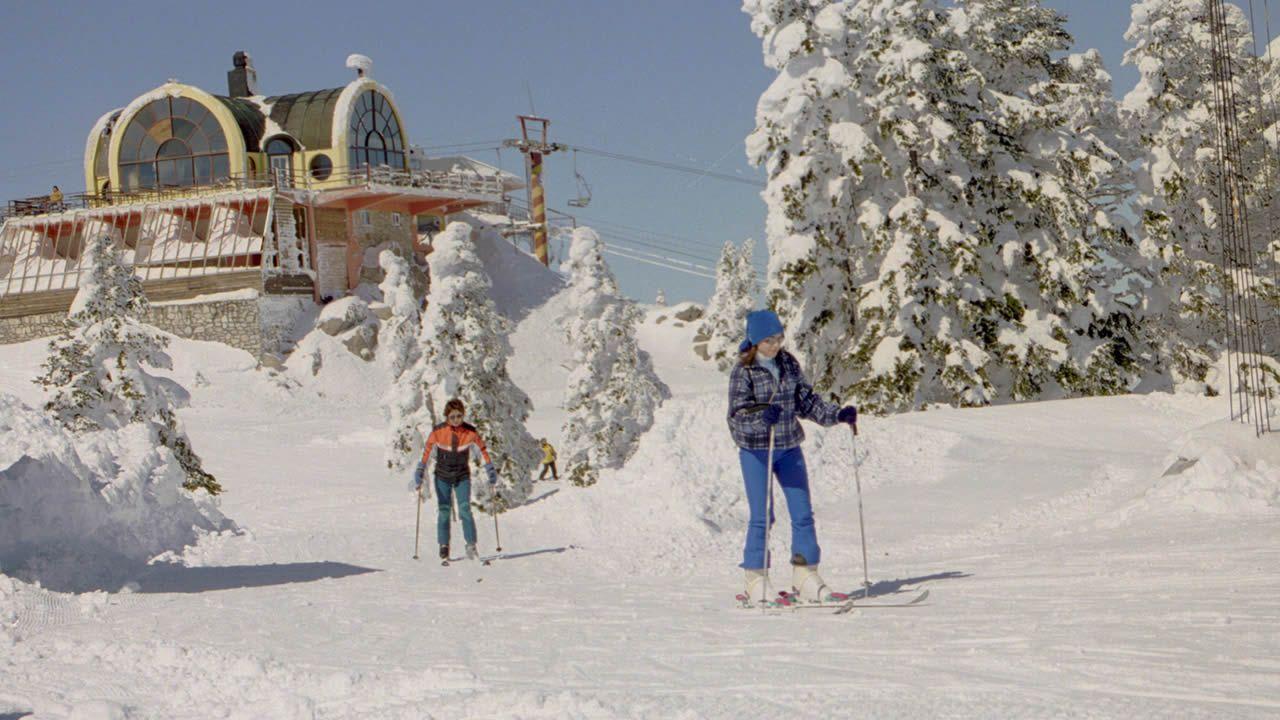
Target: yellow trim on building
341 139
226 121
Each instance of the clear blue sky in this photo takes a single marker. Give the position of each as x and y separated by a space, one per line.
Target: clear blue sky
670 80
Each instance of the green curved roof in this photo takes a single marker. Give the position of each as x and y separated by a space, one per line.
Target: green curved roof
249 118
307 117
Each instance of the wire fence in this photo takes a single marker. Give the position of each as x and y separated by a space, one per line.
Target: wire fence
195 236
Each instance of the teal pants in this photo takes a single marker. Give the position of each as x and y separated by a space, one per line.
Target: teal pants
446 492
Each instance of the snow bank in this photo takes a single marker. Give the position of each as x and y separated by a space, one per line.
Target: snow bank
520 282
83 512
1219 469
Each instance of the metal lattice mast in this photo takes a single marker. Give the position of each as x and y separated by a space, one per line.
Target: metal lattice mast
1246 378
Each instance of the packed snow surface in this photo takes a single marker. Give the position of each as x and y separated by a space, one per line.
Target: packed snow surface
1099 558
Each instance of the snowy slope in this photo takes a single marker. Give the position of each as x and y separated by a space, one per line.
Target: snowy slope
1068 577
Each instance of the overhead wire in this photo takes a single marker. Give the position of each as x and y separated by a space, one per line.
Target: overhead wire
702 172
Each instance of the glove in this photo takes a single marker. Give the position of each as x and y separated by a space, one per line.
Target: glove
772 414
848 415
418 472
492 473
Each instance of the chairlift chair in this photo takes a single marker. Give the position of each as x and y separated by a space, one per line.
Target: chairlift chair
584 190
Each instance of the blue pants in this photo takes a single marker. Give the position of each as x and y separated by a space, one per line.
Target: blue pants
445 494
793 478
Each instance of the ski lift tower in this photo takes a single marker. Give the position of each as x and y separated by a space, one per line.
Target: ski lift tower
533 144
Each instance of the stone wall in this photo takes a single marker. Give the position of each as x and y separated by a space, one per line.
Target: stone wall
380 234
232 322
255 325
30 327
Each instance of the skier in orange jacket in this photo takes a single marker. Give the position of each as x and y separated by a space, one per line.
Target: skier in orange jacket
452 445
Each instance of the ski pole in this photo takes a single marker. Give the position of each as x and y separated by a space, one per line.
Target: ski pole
862 526
497 536
417 527
768 518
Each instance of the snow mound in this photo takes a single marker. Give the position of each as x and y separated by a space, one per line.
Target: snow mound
1218 469
520 282
679 499
85 512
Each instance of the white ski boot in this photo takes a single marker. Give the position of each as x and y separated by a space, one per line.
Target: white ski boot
472 553
756 588
806 583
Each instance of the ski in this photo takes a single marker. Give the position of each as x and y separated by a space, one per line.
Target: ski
847 604
745 603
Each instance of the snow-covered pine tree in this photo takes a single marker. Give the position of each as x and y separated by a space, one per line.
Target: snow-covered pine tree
398 350
95 376
612 390
734 298
1042 192
463 350
876 262
1171 113
963 273
1097 165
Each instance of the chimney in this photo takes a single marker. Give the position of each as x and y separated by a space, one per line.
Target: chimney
242 80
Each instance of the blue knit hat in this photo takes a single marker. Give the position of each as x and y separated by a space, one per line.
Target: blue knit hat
761 324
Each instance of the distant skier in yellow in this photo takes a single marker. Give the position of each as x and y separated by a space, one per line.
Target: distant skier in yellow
548 461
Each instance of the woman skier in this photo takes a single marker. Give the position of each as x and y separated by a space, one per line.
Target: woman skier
452 444
768 394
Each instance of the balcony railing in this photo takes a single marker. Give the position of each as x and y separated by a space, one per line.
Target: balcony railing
43 204
469 183
457 182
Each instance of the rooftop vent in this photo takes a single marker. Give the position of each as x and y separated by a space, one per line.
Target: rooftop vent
361 64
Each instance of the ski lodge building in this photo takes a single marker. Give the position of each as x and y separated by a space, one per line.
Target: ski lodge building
238 210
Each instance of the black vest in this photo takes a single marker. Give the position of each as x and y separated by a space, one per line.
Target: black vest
452 462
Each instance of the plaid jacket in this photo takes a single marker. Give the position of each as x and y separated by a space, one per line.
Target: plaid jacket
751 385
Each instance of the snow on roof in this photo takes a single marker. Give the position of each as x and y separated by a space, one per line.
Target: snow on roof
463 165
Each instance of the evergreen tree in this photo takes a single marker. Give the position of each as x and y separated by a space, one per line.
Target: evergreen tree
95 376
933 229
1171 112
612 390
1051 176
734 298
398 350
463 350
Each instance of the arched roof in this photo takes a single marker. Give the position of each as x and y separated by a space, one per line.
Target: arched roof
307 117
250 119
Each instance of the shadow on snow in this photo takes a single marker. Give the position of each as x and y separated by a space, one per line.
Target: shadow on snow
894 587
179 579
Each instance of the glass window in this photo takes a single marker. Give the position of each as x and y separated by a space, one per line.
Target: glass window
147 175
173 148
321 167
172 142
100 156
176 173
129 176
150 113
204 170
279 146
183 128
129 145
374 131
